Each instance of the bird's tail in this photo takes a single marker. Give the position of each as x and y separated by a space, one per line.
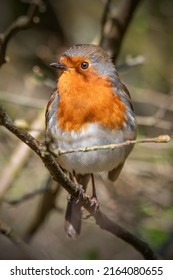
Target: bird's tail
73 216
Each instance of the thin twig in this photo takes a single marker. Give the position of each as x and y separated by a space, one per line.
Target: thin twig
158 139
26 196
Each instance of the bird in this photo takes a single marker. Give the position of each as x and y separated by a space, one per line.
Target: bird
89 106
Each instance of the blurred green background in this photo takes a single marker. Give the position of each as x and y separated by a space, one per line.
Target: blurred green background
142 198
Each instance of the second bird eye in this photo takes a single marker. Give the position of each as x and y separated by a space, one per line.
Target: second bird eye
84 65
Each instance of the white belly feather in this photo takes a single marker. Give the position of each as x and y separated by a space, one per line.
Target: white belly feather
94 161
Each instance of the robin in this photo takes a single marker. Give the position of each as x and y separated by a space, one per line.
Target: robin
89 107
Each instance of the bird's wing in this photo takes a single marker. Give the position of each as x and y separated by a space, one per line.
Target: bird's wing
122 91
50 115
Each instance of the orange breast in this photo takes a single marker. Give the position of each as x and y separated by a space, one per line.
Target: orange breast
88 99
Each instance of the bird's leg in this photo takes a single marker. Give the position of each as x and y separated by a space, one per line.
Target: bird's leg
73 177
94 195
94 199
80 187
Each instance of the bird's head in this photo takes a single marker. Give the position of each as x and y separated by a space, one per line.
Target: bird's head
87 60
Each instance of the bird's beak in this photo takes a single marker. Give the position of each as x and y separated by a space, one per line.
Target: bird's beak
59 65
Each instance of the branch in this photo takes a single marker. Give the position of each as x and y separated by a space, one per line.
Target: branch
26 196
115 28
75 189
131 62
104 19
19 157
154 122
21 23
105 223
22 100
47 203
7 231
158 139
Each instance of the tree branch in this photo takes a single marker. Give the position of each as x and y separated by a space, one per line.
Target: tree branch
19 156
105 223
104 19
21 23
131 62
46 205
115 28
7 231
26 196
74 189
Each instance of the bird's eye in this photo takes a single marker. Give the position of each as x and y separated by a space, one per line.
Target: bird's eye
84 65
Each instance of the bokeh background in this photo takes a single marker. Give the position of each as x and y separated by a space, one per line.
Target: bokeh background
142 198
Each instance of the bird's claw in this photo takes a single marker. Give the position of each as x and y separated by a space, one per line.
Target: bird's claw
80 193
95 206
